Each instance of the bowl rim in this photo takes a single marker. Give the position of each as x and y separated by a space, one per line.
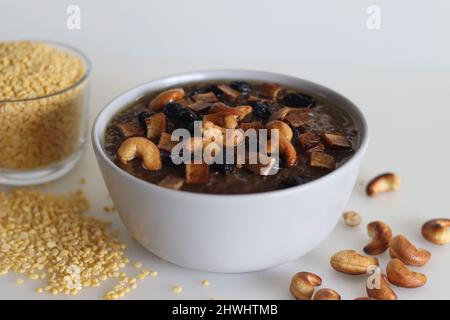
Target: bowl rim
64 47
97 135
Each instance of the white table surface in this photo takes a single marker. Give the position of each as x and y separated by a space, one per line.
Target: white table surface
398 75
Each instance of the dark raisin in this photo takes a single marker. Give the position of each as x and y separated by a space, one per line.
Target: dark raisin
186 116
260 110
298 100
166 158
293 182
241 86
172 109
215 89
190 127
224 168
197 91
142 117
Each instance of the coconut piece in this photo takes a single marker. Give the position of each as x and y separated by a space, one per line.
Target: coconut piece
205 97
270 90
222 108
297 117
216 118
229 92
199 106
309 142
156 125
172 182
264 169
165 143
336 140
129 129
197 173
280 114
321 160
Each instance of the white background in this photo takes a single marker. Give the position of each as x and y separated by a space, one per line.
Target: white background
398 75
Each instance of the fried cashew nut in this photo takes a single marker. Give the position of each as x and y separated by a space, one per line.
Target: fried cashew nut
166 97
326 294
398 274
437 231
384 292
351 218
381 235
283 128
286 150
143 148
302 285
353 263
386 182
404 250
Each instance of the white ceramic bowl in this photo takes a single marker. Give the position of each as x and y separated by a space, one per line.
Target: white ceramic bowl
229 233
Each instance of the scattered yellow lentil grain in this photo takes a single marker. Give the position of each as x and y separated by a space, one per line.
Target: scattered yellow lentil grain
206 283
39 290
154 273
72 259
177 289
33 276
138 265
82 181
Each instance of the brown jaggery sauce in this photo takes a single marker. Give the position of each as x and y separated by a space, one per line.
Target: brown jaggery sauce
326 118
